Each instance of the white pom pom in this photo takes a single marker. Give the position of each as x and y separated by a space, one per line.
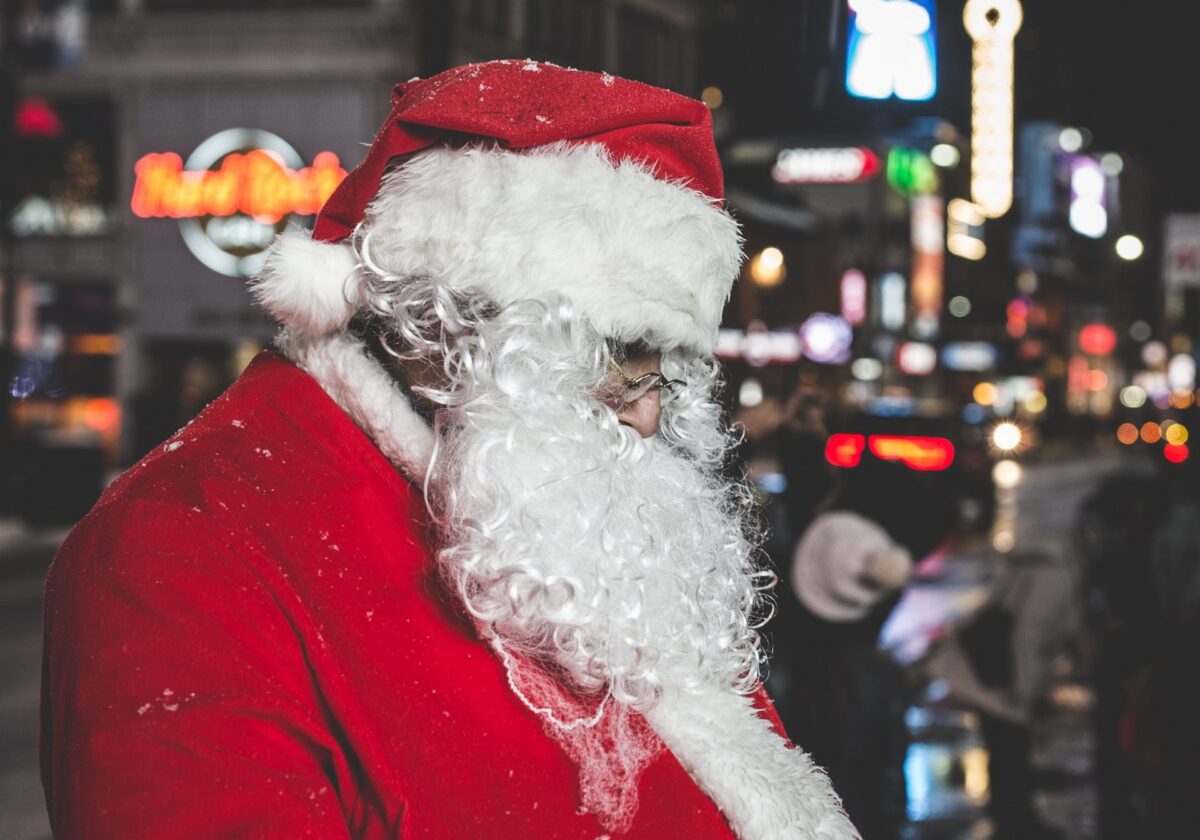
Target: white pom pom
308 285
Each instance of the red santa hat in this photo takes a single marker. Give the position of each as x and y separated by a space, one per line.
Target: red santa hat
518 179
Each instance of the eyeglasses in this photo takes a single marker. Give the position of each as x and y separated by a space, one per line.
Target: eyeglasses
632 390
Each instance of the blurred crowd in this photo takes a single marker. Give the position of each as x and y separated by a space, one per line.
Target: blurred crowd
1120 612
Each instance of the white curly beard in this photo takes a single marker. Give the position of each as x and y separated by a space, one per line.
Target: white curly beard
613 576
605 568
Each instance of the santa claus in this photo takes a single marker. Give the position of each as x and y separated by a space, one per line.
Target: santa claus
459 558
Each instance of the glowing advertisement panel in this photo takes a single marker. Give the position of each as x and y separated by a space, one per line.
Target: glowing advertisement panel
892 49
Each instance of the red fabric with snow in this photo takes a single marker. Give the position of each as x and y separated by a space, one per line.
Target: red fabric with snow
245 639
668 131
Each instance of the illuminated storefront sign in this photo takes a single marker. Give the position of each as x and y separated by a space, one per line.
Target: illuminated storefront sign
41 216
964 229
825 166
759 347
892 49
64 183
233 194
822 337
854 296
992 25
893 308
928 263
1088 213
969 355
910 172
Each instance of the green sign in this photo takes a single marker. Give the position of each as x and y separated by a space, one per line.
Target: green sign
911 172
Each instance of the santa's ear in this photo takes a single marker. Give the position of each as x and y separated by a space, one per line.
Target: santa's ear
309 285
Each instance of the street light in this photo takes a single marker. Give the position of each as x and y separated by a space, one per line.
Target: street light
1129 247
767 268
1006 436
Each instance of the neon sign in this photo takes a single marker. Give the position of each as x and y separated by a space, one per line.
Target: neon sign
1088 214
825 166
854 296
910 172
892 49
233 194
992 25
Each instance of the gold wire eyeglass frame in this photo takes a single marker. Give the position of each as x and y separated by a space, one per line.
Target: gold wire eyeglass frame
635 389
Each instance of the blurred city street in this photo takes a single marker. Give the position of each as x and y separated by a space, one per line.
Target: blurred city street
24 558
955 312
1046 502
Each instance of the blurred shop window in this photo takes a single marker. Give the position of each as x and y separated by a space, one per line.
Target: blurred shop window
66 184
249 5
651 50
489 17
65 415
50 34
569 32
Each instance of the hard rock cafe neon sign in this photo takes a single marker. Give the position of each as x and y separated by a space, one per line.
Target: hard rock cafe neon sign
233 194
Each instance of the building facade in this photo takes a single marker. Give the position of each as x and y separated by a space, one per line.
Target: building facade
131 309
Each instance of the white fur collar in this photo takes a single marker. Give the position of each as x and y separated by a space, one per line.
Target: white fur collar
766 789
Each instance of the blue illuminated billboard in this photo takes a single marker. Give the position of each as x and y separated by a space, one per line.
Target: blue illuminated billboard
892 49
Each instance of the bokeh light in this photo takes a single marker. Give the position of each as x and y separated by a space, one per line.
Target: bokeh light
959 306
1151 433
1176 435
1006 436
1127 433
767 268
1097 380
1006 474
1133 396
1175 453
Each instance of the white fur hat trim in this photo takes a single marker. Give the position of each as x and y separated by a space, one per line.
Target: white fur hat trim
309 286
639 257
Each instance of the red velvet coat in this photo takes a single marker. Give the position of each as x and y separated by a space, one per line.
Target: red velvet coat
244 639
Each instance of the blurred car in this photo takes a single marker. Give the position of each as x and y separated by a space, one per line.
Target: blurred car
951 457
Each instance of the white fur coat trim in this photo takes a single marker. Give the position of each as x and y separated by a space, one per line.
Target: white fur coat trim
766 789
364 390
641 258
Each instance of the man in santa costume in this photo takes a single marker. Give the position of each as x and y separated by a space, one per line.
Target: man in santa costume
459 558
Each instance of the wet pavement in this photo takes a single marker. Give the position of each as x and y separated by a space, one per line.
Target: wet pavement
24 558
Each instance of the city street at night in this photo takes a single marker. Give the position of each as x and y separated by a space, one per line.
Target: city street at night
599 420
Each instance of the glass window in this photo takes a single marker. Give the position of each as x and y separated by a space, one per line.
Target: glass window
66 183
